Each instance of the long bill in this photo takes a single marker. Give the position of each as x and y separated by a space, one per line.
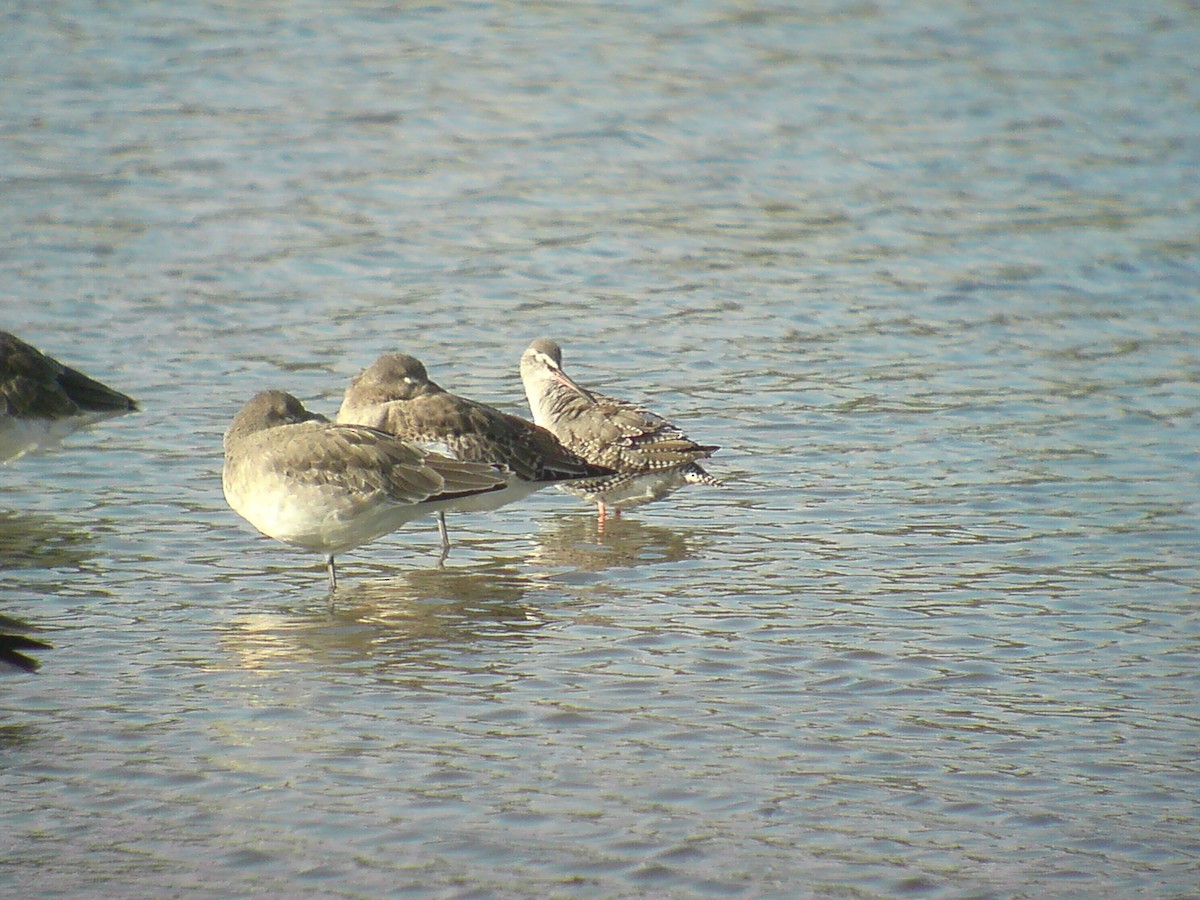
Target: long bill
567 381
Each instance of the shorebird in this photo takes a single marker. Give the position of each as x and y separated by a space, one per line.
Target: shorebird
42 401
299 478
394 394
651 456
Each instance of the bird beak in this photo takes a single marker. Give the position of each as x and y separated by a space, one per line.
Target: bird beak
566 380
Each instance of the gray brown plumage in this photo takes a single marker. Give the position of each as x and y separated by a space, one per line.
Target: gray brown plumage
651 457
395 395
42 400
321 486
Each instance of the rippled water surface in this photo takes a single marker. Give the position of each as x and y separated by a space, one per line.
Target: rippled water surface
928 273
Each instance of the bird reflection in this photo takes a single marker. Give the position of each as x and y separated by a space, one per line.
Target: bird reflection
33 540
577 542
391 620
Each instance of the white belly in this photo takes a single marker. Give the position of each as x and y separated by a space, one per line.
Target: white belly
316 517
632 491
516 490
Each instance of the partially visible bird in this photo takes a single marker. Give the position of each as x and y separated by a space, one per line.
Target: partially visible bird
396 395
13 643
305 481
651 457
42 401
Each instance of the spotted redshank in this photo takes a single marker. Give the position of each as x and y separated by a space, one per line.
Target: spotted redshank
305 481
42 401
395 395
651 456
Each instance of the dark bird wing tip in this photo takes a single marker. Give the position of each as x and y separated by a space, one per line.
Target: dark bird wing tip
12 644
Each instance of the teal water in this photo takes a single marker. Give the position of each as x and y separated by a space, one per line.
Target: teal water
929 273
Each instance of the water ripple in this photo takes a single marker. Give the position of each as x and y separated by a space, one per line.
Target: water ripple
927 274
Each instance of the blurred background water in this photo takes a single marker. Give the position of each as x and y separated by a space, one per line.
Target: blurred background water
928 272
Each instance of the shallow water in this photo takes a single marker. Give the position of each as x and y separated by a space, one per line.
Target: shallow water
927 272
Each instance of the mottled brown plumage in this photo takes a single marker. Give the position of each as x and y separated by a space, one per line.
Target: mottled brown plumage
395 395
651 456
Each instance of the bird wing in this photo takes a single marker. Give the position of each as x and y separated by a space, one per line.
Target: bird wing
628 437
478 433
362 460
32 383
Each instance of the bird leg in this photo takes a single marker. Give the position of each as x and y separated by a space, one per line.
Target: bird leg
441 520
332 574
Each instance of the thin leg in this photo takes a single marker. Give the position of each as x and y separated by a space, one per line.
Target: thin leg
441 517
600 516
617 512
332 574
